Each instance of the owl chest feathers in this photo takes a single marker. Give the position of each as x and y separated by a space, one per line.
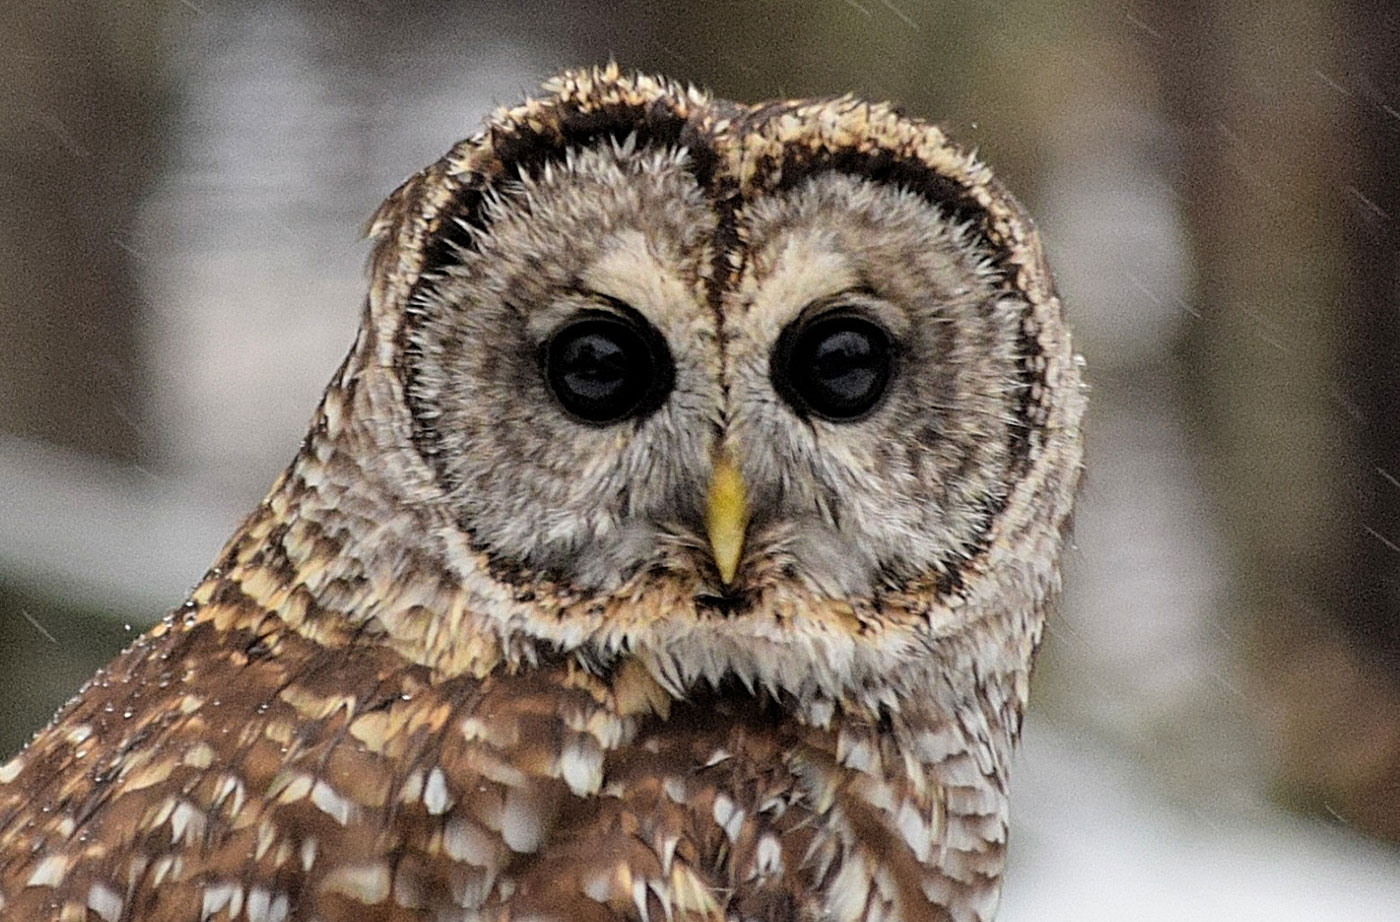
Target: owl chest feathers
251 770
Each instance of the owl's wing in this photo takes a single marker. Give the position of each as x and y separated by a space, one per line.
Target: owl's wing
219 768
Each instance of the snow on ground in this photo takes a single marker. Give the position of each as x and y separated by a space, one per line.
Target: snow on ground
1090 842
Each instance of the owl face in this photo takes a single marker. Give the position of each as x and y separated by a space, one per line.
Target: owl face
784 372
587 374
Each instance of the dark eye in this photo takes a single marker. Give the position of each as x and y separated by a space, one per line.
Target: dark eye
604 368
835 366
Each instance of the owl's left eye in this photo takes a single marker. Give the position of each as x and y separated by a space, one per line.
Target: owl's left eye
835 366
603 368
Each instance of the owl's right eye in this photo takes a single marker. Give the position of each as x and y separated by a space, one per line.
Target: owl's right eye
604 368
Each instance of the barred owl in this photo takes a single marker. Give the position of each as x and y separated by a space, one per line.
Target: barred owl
672 544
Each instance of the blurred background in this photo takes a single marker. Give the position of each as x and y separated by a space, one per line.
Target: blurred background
1216 725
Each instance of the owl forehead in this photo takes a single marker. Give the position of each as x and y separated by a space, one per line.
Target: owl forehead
734 155
735 152
635 227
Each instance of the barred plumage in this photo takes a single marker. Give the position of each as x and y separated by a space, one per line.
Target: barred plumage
473 658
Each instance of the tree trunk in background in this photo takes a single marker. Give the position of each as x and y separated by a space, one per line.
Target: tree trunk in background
1373 236
1372 560
1287 179
77 101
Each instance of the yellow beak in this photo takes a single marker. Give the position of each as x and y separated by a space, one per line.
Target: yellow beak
726 516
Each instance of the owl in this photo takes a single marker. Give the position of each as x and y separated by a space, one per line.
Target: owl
673 544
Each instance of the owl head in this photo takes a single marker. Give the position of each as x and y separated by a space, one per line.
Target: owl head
778 392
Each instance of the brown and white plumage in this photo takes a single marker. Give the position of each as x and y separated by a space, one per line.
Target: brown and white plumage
471 659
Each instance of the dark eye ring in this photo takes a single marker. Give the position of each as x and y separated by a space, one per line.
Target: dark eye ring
603 368
835 366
